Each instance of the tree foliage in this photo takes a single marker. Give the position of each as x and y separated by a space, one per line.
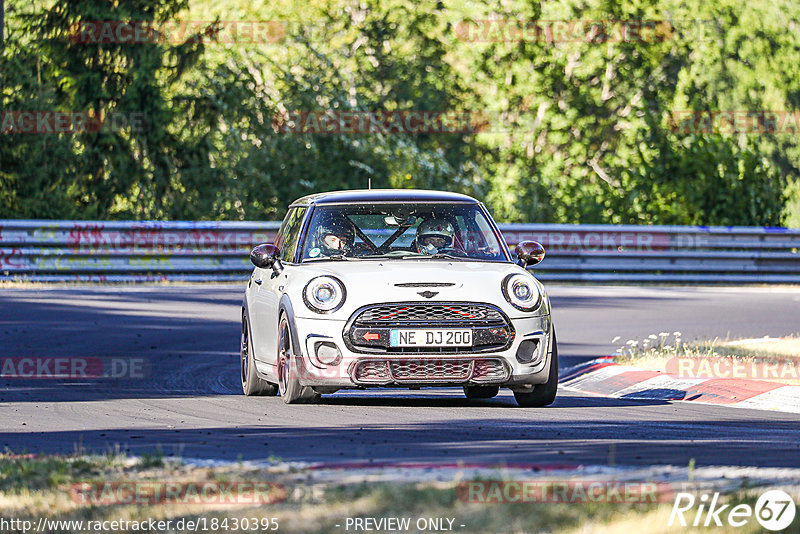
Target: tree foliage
586 132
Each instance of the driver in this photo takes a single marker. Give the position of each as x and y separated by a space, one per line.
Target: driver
334 235
434 235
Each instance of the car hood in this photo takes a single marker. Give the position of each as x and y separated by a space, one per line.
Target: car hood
374 282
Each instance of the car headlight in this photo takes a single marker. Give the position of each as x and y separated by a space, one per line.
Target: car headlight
324 294
521 292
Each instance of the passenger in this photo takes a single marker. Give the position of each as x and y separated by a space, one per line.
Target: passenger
434 235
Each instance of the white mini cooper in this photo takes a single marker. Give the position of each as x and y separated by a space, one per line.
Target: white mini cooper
395 288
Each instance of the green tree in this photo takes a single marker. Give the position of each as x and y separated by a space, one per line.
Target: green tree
589 136
90 173
601 148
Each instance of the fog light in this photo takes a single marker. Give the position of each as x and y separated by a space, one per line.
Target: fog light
328 353
528 351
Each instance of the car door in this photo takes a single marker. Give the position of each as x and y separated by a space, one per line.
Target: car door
269 290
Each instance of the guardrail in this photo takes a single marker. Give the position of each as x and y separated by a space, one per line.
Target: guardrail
128 251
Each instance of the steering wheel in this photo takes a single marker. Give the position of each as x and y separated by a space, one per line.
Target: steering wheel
452 251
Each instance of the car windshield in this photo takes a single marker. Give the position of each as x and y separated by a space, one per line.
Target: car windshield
401 231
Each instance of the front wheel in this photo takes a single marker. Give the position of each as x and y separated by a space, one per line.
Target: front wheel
288 369
543 394
252 384
481 392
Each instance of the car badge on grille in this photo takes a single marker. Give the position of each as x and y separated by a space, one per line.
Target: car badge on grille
428 294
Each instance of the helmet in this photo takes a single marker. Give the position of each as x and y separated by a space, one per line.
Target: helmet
334 234
434 235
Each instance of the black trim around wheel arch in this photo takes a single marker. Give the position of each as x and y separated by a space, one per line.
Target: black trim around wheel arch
428 324
286 306
245 306
246 313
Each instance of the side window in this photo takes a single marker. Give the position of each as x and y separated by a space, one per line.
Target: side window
290 233
279 237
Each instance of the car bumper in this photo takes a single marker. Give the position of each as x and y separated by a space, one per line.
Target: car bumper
523 363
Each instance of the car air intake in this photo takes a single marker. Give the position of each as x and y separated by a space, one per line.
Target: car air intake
429 370
527 350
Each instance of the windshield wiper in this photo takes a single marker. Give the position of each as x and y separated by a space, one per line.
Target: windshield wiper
394 255
333 257
437 256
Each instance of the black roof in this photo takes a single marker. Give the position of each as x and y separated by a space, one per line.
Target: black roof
384 195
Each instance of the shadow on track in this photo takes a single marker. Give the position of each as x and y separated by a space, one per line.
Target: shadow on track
188 343
516 440
401 398
187 338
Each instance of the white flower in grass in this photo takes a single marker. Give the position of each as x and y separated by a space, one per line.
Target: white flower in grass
653 336
616 338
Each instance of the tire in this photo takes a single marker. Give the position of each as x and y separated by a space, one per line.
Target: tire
543 394
288 368
252 384
481 392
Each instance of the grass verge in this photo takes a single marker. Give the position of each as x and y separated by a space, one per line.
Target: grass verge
767 358
36 487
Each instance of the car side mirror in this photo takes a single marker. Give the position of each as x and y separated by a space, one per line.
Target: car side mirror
267 256
529 253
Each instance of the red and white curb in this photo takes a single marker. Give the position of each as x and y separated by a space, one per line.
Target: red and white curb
604 377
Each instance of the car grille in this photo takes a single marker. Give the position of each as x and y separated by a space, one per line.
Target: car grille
463 314
491 330
429 370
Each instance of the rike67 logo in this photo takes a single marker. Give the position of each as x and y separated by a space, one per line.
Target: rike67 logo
774 510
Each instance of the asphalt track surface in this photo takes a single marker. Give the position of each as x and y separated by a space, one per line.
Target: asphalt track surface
191 403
